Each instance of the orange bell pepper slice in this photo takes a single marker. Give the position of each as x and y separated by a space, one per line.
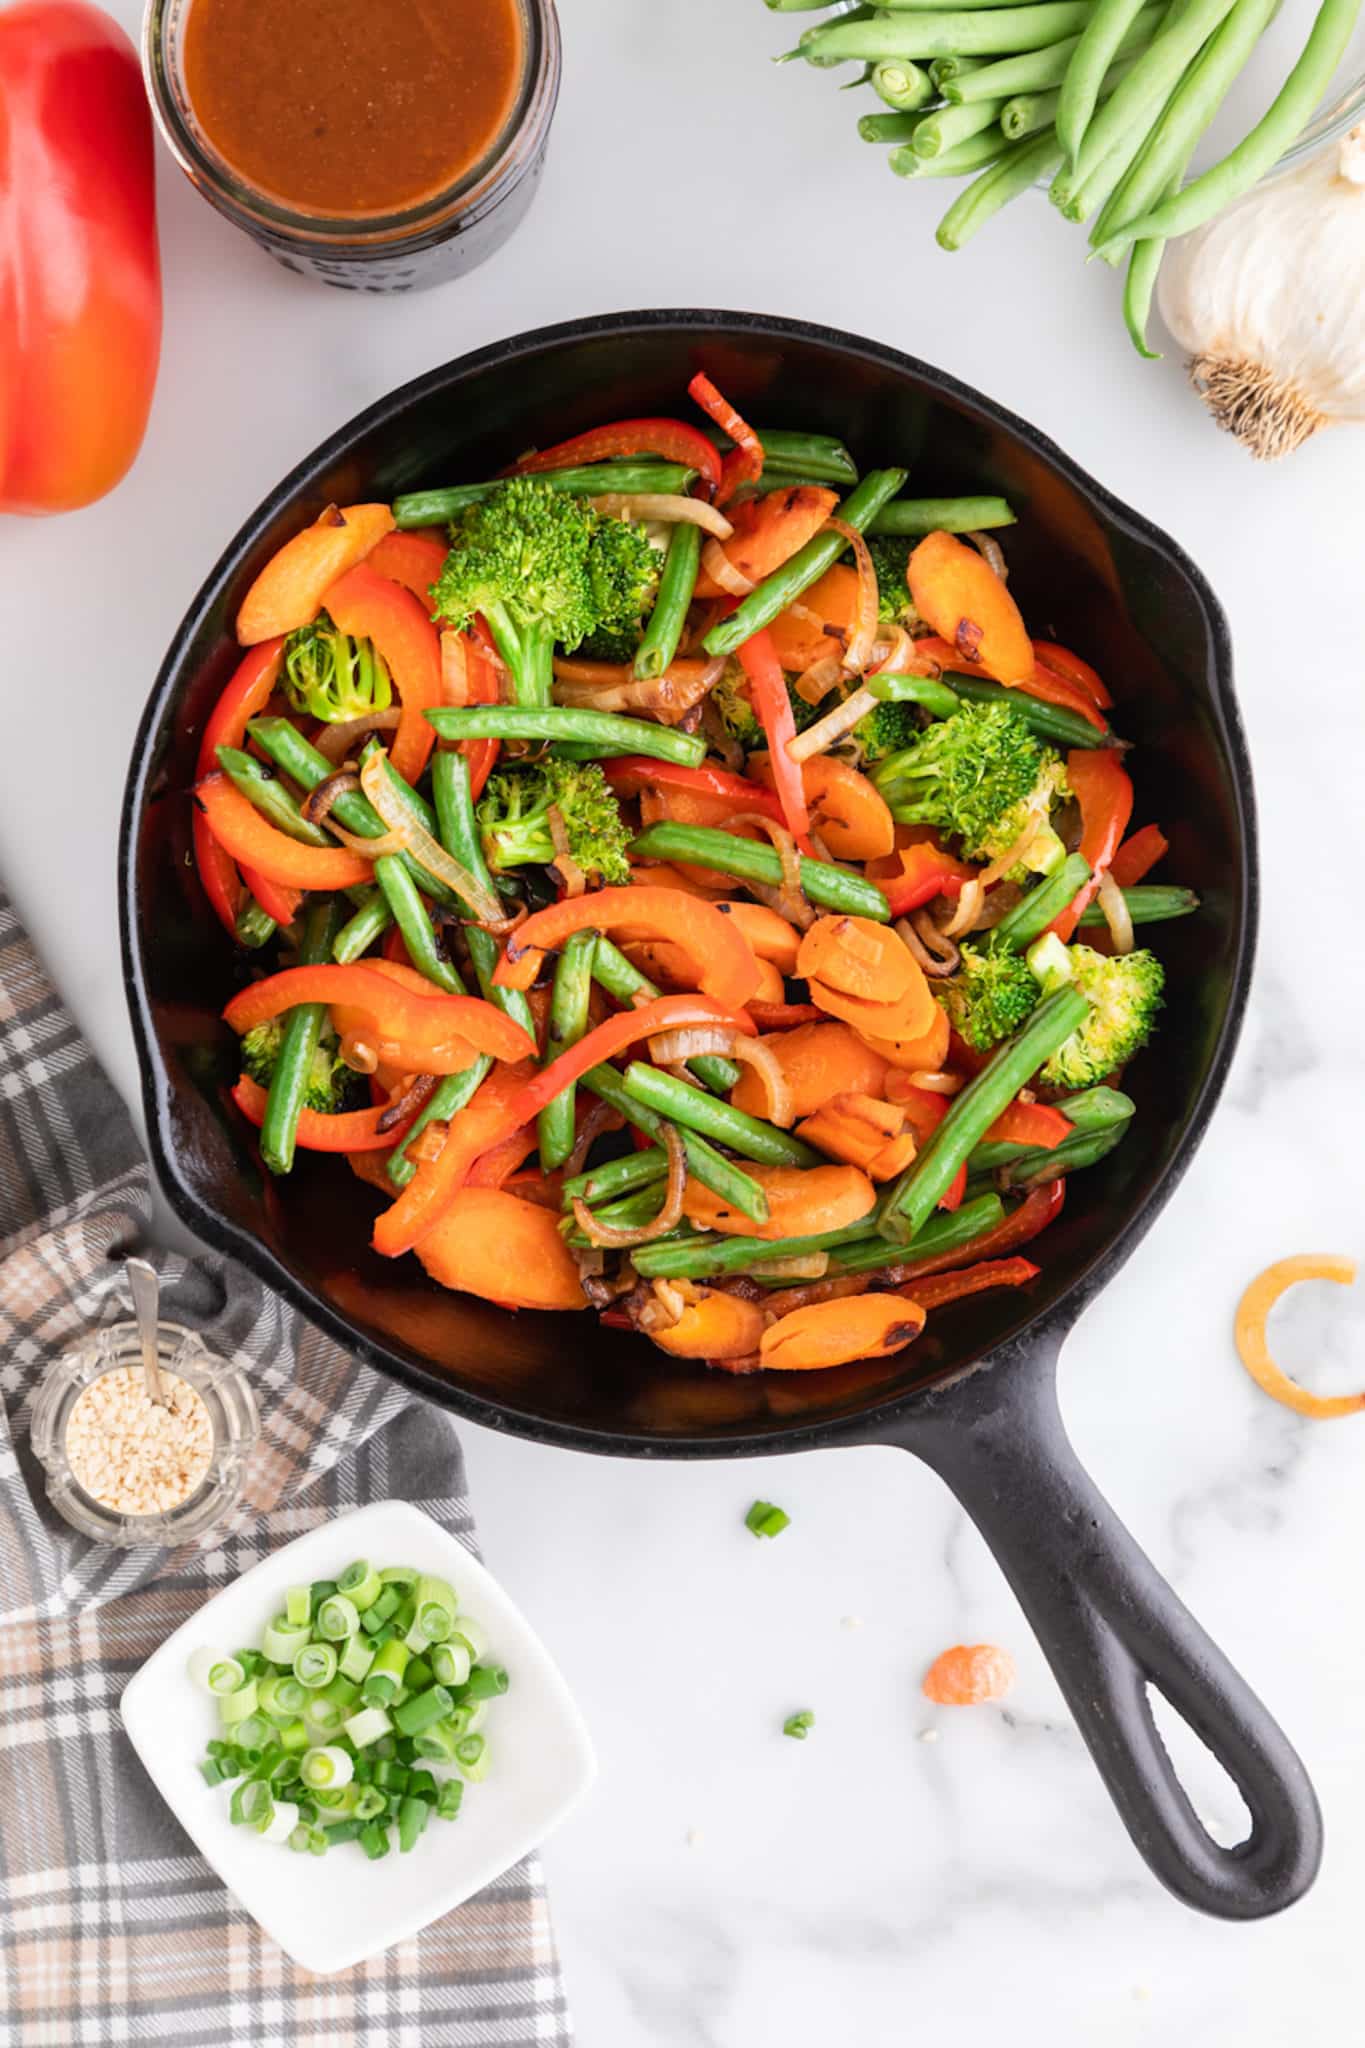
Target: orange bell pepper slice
352 1130
290 589
252 840
414 558
1138 855
249 691
725 967
428 1194
1029 1123
1104 790
429 1024
372 607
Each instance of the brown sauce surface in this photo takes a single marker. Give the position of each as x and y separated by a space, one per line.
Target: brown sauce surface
344 107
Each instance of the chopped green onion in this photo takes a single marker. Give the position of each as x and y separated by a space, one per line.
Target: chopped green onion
217 1673
298 1605
472 1756
361 1583
328 1768
315 1665
367 1726
799 1725
486 1682
337 1619
422 1709
766 1520
449 1797
239 1705
386 1673
356 1659
450 1662
283 1640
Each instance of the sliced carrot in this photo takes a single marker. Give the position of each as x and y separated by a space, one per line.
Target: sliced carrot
769 531
713 1325
414 558
910 1016
800 633
660 875
923 1055
289 591
817 1060
848 812
863 1132
968 1675
802 1202
955 588
859 957
782 1016
836 1332
493 1244
766 933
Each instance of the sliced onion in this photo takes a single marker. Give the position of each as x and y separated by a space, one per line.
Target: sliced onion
429 1142
723 743
408 1100
359 1053
721 570
813 1266
987 545
756 1053
675 511
598 1118
413 838
968 907
319 801
790 897
618 1237
336 741
858 652
569 872
820 737
939 1082
1116 913
673 1047
936 955
668 698
819 679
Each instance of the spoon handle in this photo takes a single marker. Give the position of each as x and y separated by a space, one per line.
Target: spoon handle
146 1290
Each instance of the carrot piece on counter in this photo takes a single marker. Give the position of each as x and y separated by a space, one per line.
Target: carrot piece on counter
968 1675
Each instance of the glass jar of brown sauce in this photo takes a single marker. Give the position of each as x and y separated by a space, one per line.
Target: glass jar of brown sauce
376 148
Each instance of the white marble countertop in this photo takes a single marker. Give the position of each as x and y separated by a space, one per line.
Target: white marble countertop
725 1886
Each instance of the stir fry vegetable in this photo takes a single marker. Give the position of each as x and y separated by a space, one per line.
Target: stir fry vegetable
758 986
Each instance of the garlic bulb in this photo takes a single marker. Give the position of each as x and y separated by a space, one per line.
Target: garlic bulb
1270 300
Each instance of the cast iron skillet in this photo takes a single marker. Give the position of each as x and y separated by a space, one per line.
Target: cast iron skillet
975 1398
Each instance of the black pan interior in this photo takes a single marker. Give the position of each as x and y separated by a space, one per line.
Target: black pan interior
1087 571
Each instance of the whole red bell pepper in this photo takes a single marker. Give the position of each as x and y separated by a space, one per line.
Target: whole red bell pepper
80 279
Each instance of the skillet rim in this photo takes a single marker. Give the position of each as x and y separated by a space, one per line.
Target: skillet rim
876 1421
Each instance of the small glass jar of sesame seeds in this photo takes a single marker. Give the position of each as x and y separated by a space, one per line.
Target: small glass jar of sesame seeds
124 1469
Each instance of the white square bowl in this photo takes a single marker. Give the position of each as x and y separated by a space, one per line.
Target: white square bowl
329 1913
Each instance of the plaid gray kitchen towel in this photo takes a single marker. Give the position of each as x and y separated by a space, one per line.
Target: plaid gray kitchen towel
113 1929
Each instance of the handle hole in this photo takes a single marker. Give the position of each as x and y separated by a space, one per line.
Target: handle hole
1214 1794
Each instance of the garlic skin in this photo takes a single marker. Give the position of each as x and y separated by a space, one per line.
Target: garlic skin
1269 299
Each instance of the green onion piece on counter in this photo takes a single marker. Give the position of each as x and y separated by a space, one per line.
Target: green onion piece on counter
799 1725
766 1520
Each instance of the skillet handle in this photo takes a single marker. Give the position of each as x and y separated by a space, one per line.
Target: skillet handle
1110 1625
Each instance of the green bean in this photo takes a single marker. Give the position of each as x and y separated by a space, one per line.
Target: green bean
941 515
694 1110
253 926
606 729
983 32
805 567
447 1099
270 797
1144 264
409 913
959 162
622 979
302 1030
1153 78
1096 47
1038 70
795 6
568 1022
915 1195
902 84
676 584
940 133
949 1230
458 829
944 69
734 1187
844 11
699 1256
787 452
1039 1163
1029 113
935 696
1018 169
1149 904
1050 721
624 1176
887 127
832 888
1033 913
434 508
370 922
1095 1109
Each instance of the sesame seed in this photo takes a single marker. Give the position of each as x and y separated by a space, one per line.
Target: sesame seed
131 1455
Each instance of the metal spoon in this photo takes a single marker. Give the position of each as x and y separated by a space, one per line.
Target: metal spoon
146 1289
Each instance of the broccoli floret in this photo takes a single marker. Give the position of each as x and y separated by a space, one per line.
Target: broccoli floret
970 777
1045 850
1125 995
332 1085
887 730
730 696
514 818
989 996
545 570
611 643
330 675
895 607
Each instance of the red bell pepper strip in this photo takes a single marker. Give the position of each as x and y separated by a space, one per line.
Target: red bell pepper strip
354 1130
744 463
414 558
1138 855
1103 788
937 1291
1029 1123
424 1022
924 1112
918 872
372 607
1062 662
632 772
773 709
1041 1206
249 691
1045 683
80 280
726 968
468 676
784 1016
252 840
674 440
424 1200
